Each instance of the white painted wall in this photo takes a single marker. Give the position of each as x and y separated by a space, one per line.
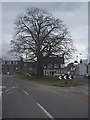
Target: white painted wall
49 72
82 69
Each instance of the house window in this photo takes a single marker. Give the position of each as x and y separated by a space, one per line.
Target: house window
45 66
11 62
46 72
25 64
5 62
54 71
50 66
56 65
8 62
57 72
16 62
30 68
14 68
8 68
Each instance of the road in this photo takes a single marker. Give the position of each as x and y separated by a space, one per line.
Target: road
81 79
0 96
23 99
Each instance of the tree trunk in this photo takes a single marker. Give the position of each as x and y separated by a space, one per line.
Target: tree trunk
21 65
39 67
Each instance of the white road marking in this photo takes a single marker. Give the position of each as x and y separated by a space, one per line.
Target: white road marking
48 114
9 89
0 93
9 93
25 92
6 90
14 87
2 87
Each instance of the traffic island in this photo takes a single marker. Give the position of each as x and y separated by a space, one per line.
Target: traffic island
50 81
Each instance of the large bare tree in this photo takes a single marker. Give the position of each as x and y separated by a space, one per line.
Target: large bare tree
39 35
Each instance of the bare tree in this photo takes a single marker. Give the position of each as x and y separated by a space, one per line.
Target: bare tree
40 35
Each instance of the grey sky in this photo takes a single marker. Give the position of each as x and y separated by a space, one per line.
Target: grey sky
0 29
74 15
45 0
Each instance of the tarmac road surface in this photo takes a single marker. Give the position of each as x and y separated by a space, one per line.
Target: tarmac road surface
23 99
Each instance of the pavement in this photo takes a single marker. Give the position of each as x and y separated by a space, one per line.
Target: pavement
24 99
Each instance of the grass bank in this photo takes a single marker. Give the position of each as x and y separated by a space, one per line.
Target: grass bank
50 81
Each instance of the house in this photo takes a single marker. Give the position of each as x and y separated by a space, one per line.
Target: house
29 68
10 66
52 66
16 66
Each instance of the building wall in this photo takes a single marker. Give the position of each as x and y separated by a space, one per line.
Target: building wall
13 67
30 68
54 72
82 69
52 66
10 67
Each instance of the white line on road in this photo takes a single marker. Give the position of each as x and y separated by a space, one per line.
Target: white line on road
14 87
9 93
0 93
6 90
2 87
9 89
25 92
48 114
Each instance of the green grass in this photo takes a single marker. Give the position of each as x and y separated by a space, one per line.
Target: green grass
50 81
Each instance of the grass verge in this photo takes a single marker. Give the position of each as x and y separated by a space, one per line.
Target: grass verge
50 81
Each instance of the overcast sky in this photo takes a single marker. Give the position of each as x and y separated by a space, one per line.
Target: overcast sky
74 15
0 30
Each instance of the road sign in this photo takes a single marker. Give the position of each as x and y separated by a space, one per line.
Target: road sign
70 77
65 77
60 77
